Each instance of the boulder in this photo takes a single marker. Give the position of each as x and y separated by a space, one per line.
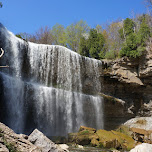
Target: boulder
114 139
140 122
14 142
43 143
144 147
141 129
102 138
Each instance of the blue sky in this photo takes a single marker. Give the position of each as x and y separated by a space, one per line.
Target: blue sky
29 15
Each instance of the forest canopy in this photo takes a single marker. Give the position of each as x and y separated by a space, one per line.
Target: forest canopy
120 38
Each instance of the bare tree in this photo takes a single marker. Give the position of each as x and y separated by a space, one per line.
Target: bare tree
148 4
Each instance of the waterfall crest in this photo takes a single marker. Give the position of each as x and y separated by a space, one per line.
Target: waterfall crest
49 87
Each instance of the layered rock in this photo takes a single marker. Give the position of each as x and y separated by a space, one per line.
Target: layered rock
9 139
130 81
36 142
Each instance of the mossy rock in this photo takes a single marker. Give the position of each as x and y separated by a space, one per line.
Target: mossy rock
72 137
83 128
125 130
84 137
118 140
94 142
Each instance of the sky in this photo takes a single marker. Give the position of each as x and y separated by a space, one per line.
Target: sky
29 15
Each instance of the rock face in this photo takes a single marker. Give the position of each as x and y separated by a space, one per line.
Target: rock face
129 80
144 147
36 142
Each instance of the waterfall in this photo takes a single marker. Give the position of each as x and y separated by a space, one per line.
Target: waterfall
49 87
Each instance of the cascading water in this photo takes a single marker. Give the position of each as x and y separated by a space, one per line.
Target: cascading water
48 87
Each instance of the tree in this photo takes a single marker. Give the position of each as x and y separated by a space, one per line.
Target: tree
135 41
149 4
99 28
95 44
24 36
113 40
83 50
59 35
129 26
144 32
43 36
74 33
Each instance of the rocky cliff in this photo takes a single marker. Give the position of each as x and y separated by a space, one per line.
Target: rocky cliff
128 86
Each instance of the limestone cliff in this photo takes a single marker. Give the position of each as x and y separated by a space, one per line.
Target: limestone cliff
128 80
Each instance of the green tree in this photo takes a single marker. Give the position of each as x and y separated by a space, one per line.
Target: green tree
129 26
144 32
99 28
83 50
74 33
135 42
96 44
129 47
59 35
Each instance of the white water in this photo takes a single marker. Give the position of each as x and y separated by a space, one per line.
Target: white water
46 85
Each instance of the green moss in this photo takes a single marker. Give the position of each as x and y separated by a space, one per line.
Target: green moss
11 147
84 132
124 129
115 139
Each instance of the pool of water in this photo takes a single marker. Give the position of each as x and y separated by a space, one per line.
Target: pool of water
89 149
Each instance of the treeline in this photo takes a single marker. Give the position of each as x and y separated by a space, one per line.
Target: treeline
120 38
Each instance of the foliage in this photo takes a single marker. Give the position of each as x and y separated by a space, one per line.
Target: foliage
135 41
144 32
59 35
83 50
110 55
118 39
95 44
74 33
128 26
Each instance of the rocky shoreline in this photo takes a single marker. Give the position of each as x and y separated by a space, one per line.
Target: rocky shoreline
135 133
